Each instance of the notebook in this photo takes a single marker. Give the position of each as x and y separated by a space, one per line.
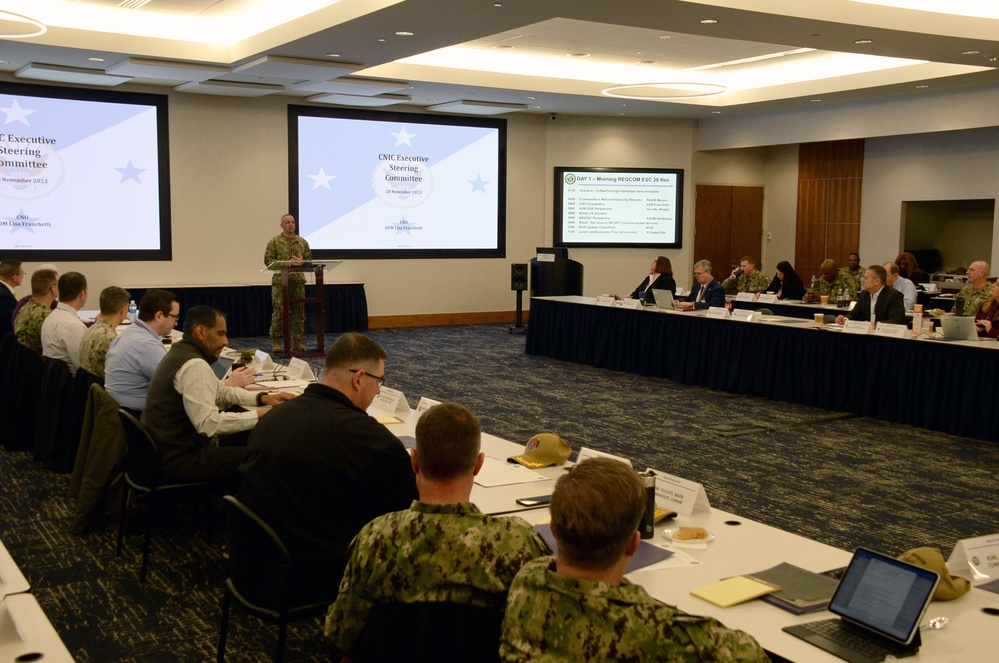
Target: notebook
663 299
880 602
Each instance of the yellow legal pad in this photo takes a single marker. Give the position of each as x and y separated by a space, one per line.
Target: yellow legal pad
733 591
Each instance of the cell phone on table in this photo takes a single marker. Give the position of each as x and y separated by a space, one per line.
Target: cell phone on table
540 500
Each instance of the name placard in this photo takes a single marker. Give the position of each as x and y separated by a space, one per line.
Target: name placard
745 297
894 331
717 312
767 299
605 300
424 404
743 314
299 369
585 453
856 327
546 257
681 495
391 400
977 557
629 303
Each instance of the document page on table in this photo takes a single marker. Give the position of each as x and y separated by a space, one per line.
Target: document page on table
503 473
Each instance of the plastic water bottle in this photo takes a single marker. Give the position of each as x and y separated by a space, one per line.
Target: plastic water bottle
132 310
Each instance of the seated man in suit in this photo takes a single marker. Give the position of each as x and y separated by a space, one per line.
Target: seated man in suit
442 548
579 607
11 276
707 291
877 302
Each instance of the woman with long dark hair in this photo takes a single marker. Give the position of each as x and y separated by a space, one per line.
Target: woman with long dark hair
787 284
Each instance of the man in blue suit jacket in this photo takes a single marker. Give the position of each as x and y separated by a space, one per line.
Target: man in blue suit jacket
11 276
713 292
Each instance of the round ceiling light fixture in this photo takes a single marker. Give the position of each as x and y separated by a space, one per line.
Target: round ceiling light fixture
18 26
664 91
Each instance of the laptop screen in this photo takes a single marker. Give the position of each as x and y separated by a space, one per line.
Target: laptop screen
884 595
221 366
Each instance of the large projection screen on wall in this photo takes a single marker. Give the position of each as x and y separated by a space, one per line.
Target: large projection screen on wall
84 174
618 207
368 184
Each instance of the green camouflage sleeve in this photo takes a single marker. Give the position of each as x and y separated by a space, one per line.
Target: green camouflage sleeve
346 618
94 348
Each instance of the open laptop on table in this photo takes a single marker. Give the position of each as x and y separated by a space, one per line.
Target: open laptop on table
959 328
880 602
663 299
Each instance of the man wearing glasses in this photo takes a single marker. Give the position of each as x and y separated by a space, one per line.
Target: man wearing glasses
707 292
319 468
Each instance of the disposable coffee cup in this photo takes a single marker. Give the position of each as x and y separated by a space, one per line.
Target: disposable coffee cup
917 308
824 299
820 318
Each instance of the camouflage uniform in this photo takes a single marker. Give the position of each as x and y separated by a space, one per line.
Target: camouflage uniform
94 347
28 324
974 297
550 617
282 248
845 273
824 287
431 552
758 282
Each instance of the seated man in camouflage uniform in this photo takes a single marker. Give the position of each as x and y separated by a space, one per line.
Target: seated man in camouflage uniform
28 321
746 278
97 339
579 607
978 289
832 281
441 549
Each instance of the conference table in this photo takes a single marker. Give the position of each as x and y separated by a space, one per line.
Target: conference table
740 546
933 383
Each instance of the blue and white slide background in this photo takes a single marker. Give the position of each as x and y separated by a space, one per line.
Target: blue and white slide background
383 185
78 175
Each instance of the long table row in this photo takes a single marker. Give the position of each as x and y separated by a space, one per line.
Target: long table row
744 546
930 383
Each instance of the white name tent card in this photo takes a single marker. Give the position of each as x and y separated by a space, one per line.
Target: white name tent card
767 299
856 327
681 495
629 303
299 369
605 300
425 404
977 558
745 297
717 312
888 329
585 453
743 314
391 400
546 257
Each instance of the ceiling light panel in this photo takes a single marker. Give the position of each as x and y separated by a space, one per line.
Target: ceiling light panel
354 86
296 69
75 75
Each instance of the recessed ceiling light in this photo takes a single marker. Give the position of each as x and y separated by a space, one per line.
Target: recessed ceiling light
622 113
815 101
577 55
862 41
970 52
497 4
922 87
96 59
664 37
716 112
708 21
649 62
403 33
623 105
380 39
332 55
992 58
3 62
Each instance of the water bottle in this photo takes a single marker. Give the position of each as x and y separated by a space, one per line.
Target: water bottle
647 527
133 310
959 306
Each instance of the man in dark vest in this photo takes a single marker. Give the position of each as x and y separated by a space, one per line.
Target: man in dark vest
184 408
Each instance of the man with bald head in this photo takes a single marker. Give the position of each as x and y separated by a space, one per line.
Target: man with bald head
977 290
902 284
832 281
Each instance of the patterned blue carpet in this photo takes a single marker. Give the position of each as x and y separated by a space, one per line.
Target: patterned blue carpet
843 480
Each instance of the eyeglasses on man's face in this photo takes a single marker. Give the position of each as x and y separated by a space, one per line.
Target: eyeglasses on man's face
380 378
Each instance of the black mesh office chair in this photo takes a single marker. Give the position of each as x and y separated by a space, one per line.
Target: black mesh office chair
142 479
260 576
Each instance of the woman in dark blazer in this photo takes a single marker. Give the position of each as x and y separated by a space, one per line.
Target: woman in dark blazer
787 284
660 278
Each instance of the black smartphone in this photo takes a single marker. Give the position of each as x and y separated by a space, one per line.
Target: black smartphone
540 500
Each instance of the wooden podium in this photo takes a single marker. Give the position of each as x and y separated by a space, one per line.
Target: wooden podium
319 269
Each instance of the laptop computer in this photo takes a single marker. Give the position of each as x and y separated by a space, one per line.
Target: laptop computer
959 328
663 299
221 367
880 602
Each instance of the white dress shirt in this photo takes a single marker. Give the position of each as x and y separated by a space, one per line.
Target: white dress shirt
908 290
62 333
204 397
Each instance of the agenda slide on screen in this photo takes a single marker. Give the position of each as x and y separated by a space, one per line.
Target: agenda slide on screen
78 175
387 185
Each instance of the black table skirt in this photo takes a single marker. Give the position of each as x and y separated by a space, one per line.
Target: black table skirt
248 307
931 384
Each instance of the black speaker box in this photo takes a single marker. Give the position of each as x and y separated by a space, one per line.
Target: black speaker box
518 276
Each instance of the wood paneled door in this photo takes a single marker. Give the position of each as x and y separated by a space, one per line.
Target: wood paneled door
728 224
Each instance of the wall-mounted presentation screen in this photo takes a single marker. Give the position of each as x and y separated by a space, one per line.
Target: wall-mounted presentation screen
618 207
368 184
84 175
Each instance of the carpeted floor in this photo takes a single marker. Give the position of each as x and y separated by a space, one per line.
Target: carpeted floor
839 479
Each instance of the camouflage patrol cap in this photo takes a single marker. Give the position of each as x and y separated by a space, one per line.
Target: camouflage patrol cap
950 587
542 450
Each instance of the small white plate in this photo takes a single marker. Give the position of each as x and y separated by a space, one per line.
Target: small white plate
668 534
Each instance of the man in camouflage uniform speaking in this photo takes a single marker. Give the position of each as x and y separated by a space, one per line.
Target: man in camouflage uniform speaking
442 548
287 246
578 606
